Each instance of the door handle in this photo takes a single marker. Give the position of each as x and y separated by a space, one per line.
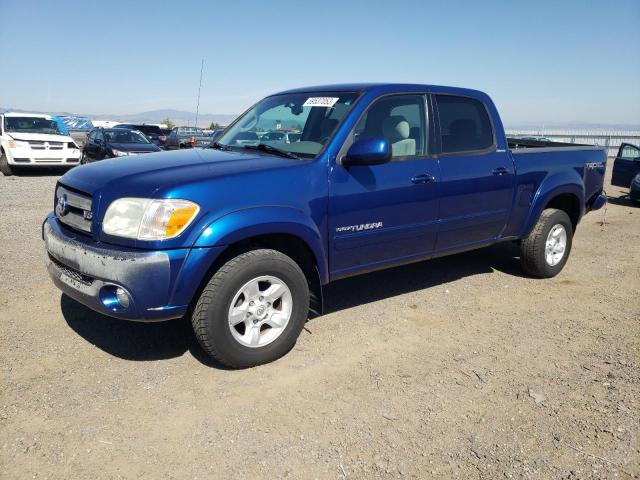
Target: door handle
423 178
500 171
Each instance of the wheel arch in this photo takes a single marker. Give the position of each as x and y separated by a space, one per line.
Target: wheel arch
564 192
284 229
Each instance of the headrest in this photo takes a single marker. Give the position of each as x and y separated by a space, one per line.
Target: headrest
395 128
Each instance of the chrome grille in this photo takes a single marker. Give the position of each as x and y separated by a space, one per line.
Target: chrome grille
73 209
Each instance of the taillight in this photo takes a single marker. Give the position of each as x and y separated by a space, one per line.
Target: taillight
162 138
193 140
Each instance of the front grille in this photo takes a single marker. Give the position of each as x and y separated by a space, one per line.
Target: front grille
73 209
39 145
70 272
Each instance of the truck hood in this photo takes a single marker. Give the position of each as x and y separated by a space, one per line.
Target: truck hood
143 175
39 137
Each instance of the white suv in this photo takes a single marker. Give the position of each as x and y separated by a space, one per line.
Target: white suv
28 139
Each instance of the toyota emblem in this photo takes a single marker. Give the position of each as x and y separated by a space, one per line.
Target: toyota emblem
63 207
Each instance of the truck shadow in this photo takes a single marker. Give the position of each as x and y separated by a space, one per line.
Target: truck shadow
624 199
382 284
164 340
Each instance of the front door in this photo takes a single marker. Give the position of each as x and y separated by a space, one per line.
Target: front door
626 165
384 214
477 182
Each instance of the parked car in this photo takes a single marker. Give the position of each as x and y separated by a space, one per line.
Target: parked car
243 237
115 142
187 137
634 190
153 132
31 140
626 168
280 137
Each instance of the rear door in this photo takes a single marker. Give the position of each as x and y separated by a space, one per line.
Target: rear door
626 165
382 214
476 188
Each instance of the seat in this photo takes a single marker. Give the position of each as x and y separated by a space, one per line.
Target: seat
396 130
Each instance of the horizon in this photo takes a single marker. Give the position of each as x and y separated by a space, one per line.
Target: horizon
539 72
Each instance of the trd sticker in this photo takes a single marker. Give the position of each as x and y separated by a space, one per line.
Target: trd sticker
359 228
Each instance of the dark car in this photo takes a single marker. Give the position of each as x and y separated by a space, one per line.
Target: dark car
115 142
634 190
187 137
626 170
154 133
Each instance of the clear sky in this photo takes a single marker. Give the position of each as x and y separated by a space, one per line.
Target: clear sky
542 61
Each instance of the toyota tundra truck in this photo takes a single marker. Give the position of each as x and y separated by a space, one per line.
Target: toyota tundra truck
241 237
31 140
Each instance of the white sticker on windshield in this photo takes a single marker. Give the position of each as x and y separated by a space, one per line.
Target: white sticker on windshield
321 102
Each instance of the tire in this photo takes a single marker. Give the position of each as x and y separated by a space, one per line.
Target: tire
236 346
83 159
5 168
541 259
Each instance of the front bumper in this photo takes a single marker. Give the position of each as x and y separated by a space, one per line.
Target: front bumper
90 274
27 156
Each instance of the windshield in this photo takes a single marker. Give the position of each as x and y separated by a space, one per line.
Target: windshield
298 123
31 125
120 135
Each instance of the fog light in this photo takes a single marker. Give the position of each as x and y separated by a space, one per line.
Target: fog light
123 297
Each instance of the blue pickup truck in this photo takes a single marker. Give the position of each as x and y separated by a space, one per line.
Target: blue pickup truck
241 237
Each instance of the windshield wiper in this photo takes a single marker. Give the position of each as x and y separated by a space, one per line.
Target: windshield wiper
219 146
263 147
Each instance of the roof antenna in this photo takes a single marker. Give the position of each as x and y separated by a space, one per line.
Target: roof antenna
199 87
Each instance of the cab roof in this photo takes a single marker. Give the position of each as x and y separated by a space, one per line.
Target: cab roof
382 88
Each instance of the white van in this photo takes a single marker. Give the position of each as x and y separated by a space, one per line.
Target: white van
29 139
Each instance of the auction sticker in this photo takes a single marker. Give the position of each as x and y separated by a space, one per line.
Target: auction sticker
320 102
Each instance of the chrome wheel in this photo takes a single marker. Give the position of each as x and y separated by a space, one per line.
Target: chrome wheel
260 311
556 245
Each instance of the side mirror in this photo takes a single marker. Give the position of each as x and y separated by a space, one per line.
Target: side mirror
368 151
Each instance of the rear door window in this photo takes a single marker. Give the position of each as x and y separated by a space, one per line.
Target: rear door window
464 124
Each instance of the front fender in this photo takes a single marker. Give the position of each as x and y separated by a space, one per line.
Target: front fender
243 224
561 183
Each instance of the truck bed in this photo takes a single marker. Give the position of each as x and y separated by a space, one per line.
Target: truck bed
520 144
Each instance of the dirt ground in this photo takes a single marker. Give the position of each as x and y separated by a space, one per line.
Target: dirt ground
460 367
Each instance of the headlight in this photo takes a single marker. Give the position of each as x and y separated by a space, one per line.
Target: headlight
146 219
18 144
119 153
71 145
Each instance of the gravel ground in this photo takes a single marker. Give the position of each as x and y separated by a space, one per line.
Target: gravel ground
461 367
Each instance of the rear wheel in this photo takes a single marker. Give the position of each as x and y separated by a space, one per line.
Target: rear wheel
253 309
546 249
5 168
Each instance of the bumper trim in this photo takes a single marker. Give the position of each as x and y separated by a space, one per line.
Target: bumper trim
146 276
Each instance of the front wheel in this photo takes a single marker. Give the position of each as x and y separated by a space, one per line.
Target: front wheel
253 309
5 168
545 251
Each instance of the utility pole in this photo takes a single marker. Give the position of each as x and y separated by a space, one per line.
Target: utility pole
199 88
